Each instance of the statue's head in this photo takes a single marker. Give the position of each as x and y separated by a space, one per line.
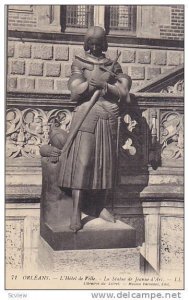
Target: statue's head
95 41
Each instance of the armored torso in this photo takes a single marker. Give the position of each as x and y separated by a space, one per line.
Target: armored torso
90 66
106 107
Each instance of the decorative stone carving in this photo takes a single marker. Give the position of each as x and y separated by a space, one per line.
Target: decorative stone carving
27 130
133 131
177 88
131 123
171 135
128 145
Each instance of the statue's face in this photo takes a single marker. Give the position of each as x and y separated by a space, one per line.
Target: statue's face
95 46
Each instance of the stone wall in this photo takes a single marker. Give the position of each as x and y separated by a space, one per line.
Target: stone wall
46 67
43 65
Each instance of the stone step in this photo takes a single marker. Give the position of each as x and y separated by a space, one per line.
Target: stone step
96 233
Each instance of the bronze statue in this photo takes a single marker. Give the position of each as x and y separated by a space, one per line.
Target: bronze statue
87 160
88 157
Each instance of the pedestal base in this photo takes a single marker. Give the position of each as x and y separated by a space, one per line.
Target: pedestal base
95 234
109 261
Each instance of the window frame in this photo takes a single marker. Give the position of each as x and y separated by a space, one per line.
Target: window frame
73 29
121 31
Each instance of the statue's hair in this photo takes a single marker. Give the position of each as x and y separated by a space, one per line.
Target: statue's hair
98 33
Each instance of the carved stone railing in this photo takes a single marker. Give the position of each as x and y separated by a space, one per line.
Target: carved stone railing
151 132
28 130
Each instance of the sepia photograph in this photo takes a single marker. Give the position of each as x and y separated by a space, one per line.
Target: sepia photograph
94 167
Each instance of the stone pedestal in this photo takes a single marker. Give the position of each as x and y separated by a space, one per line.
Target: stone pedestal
95 234
119 261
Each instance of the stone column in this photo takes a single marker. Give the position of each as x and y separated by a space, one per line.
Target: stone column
99 15
164 235
152 236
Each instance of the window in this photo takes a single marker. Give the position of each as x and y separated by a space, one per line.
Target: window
120 19
76 17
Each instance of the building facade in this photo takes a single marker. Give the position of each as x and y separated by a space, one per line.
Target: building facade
44 39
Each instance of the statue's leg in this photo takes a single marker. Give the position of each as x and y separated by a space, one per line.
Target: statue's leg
100 201
75 223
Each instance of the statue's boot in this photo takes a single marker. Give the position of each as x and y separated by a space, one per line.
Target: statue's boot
107 216
75 222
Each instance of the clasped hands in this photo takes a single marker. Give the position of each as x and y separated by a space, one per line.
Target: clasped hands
97 83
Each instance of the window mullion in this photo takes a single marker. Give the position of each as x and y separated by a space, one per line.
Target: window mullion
99 15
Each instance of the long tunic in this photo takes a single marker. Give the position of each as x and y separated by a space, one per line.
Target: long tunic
90 161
